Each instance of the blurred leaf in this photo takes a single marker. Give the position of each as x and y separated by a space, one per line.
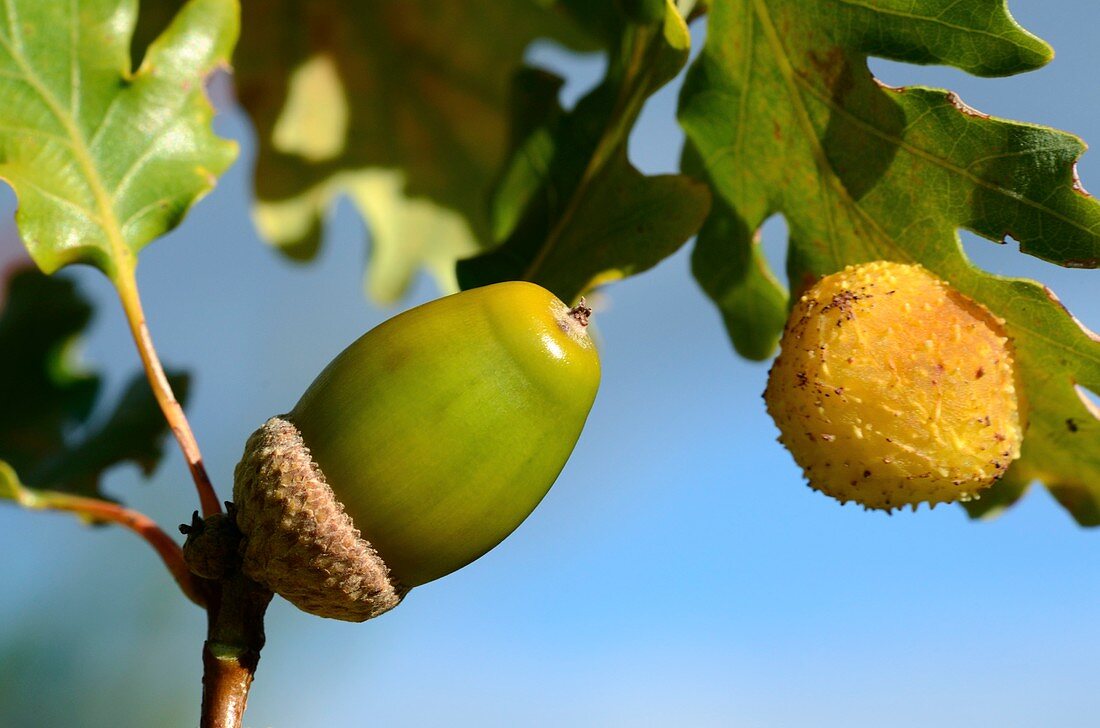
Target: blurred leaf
45 434
401 105
104 159
10 487
783 116
134 432
1000 496
44 393
571 211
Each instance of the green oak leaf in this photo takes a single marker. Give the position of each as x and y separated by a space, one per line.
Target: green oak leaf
45 432
571 212
134 432
399 105
1000 496
104 159
783 116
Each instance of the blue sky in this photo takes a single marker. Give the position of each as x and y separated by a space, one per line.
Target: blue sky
679 572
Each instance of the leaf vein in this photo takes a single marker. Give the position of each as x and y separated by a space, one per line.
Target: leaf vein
829 179
138 164
16 39
142 210
941 162
65 201
74 68
31 131
921 18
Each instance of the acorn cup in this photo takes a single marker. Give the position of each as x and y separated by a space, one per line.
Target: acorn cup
418 449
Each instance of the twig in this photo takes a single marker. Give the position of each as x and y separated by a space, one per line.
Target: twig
126 284
99 510
235 609
235 636
235 604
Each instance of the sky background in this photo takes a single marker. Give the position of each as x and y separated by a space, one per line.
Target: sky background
678 574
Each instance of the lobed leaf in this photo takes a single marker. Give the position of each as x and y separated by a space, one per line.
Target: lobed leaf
400 105
45 432
783 116
44 393
571 211
104 159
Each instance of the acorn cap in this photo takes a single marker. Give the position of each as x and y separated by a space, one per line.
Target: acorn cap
297 539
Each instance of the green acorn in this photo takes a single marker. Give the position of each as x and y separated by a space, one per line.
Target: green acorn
418 449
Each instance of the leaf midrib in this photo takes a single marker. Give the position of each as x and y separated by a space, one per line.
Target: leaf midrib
631 93
941 162
922 18
106 218
825 170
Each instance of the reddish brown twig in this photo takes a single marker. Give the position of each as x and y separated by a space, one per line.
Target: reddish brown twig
235 636
94 509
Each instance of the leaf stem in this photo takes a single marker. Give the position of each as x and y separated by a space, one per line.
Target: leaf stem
126 285
100 510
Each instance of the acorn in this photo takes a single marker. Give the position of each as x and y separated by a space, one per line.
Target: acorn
417 450
894 389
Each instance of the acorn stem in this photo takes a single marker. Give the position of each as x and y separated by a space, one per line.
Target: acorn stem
581 312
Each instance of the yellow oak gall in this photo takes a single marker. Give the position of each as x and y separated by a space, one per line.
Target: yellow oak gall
893 389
